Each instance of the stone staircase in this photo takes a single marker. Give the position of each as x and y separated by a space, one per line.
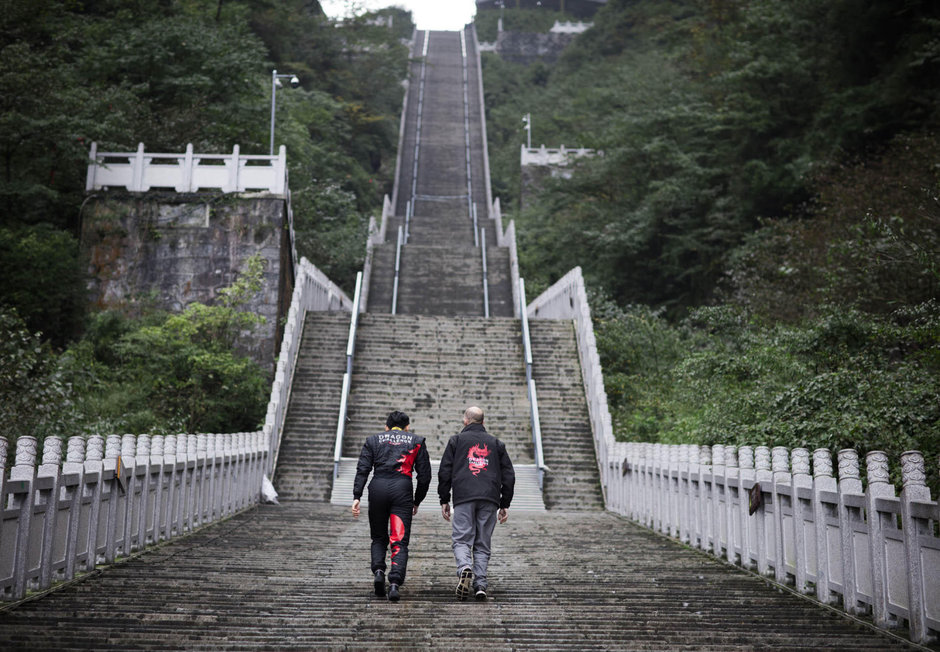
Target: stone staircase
305 457
567 442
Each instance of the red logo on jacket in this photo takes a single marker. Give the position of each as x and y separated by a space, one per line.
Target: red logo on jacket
476 458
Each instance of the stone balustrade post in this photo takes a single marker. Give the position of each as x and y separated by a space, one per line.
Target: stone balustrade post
48 477
145 514
826 517
170 486
21 488
183 484
704 497
763 525
719 498
732 506
684 498
782 508
804 523
851 501
94 469
674 495
132 511
117 503
157 502
917 514
73 471
746 480
879 488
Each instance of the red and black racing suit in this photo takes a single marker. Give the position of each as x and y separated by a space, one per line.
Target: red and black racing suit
394 454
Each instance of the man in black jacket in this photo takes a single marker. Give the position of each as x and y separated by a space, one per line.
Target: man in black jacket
394 454
478 469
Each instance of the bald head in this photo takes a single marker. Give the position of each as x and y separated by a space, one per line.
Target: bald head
473 414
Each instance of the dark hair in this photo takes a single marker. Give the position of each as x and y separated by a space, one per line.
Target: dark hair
397 419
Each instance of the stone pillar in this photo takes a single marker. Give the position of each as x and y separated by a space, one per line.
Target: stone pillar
917 525
879 487
48 478
746 479
801 489
764 477
783 501
850 513
94 470
825 511
22 482
73 472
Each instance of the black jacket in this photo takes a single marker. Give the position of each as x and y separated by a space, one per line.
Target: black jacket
394 454
475 464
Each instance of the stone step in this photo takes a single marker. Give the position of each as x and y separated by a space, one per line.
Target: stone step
296 576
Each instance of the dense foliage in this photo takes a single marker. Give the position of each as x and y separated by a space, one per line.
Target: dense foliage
762 229
169 73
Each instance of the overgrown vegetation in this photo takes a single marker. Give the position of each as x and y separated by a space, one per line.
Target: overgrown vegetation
763 227
120 72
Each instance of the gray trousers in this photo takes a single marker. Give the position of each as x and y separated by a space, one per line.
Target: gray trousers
473 528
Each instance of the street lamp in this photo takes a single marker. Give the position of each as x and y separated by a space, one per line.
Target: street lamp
275 84
527 119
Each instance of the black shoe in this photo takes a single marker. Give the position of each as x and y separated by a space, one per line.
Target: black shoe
393 593
463 585
380 583
480 593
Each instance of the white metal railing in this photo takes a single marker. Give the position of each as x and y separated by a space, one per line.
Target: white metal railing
479 92
486 282
142 171
347 377
397 269
823 534
530 386
113 497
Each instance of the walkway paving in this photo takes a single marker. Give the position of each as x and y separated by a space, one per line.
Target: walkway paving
295 576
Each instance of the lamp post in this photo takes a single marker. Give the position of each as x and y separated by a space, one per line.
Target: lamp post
527 119
275 83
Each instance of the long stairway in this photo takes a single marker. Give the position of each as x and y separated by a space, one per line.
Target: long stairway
295 576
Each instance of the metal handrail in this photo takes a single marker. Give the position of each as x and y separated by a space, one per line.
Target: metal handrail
347 377
476 239
486 284
397 268
530 384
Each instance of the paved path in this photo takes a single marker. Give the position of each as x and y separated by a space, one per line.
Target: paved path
296 576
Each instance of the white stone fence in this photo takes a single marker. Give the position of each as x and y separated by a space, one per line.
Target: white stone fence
866 547
869 549
143 171
552 156
113 497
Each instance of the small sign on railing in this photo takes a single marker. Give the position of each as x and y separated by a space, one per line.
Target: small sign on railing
755 498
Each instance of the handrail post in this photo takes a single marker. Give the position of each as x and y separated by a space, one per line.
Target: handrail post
347 376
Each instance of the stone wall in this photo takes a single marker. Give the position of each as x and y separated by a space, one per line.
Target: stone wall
174 249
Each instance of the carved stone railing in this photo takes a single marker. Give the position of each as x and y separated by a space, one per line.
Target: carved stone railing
551 156
188 172
822 533
112 497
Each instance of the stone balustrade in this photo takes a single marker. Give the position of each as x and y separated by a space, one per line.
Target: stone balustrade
784 513
551 156
112 497
188 172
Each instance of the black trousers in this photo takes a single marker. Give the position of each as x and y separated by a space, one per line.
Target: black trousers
390 506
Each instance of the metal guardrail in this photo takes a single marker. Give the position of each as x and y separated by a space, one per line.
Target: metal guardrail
347 377
397 271
417 149
533 395
486 283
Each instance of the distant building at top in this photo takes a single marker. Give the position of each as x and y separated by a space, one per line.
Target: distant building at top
579 8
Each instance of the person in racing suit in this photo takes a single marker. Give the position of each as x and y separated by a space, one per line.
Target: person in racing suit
395 455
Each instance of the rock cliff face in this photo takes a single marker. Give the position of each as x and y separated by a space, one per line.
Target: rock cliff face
175 249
